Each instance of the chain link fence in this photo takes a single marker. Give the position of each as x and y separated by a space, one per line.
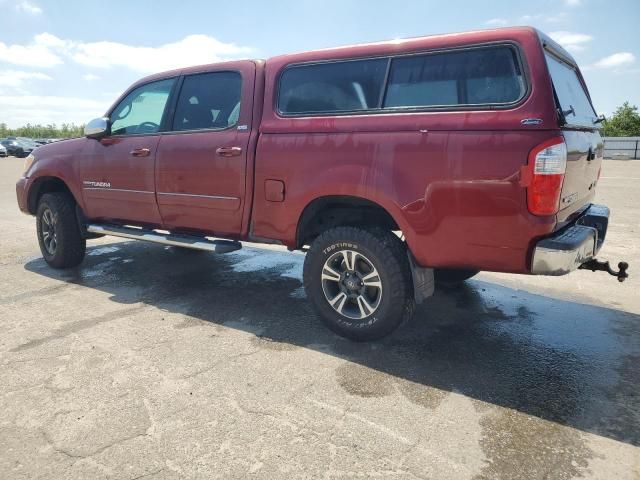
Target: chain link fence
622 148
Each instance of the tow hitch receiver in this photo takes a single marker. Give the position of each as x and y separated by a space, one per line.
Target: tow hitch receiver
594 265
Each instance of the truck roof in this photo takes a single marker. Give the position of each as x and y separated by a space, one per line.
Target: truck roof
387 47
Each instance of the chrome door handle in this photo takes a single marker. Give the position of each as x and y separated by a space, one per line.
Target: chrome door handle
140 152
229 151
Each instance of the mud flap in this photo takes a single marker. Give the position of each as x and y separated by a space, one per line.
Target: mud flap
423 280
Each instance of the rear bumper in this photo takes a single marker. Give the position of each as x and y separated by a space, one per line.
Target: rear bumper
568 249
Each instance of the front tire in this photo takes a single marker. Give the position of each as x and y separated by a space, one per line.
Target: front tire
359 281
61 243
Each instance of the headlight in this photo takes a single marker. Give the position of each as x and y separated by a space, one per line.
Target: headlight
27 163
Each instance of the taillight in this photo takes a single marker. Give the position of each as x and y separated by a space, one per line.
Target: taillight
547 164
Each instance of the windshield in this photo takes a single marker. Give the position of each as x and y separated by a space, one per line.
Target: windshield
572 96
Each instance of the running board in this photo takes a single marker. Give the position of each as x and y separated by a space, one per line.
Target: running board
175 240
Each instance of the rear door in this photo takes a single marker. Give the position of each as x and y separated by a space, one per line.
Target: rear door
584 144
202 161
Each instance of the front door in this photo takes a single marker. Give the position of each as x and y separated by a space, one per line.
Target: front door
202 158
118 171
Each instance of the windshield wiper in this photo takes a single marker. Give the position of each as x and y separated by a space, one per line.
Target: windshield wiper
600 119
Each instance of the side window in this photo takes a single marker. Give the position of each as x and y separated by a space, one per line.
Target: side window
332 87
141 111
208 100
479 76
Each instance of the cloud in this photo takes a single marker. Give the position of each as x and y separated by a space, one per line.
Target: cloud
36 54
572 41
90 77
192 50
27 7
573 3
47 50
497 22
542 17
15 79
538 18
18 110
616 60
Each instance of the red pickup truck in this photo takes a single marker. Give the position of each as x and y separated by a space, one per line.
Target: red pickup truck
395 164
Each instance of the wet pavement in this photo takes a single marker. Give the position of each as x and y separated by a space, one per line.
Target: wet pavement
150 361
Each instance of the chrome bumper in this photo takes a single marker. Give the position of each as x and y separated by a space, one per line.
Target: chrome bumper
573 246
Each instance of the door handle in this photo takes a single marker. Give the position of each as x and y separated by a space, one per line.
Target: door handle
229 151
140 152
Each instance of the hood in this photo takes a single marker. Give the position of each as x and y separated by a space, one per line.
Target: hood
71 145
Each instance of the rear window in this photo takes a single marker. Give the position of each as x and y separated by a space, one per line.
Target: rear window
332 87
481 76
571 94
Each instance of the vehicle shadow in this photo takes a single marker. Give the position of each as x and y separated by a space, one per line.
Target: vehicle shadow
561 361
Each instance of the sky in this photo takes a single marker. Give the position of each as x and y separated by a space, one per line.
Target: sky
67 61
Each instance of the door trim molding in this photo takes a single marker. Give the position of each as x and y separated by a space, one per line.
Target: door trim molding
106 189
215 197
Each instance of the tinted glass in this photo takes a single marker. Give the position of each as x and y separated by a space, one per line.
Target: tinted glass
481 76
332 87
570 93
141 111
208 100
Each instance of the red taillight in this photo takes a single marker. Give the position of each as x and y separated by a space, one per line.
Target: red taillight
547 165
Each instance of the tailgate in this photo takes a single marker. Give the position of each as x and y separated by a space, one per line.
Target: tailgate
581 132
584 159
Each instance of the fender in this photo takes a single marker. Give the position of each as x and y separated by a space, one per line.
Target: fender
315 176
59 161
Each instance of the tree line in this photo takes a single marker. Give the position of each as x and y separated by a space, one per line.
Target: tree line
625 122
66 130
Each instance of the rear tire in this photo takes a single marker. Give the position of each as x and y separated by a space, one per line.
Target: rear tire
359 281
61 243
453 276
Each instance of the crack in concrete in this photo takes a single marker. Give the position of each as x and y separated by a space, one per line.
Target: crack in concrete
80 325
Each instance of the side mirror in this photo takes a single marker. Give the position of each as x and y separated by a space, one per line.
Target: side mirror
96 128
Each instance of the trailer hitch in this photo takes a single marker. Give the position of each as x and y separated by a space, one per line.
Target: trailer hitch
594 265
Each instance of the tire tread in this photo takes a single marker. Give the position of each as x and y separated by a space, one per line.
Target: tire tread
71 250
391 253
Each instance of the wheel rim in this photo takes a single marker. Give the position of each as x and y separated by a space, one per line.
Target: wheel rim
351 284
48 225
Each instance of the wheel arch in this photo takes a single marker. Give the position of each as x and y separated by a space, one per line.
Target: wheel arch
46 184
330 211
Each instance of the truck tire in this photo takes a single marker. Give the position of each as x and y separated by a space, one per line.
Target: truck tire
59 236
451 277
359 281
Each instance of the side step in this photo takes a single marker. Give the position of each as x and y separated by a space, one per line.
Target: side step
176 240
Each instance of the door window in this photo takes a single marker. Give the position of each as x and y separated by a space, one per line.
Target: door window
141 111
208 101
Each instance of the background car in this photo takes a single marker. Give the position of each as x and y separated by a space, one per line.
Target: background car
3 151
17 148
29 142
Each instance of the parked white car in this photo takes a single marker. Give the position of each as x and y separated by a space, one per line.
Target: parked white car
3 151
